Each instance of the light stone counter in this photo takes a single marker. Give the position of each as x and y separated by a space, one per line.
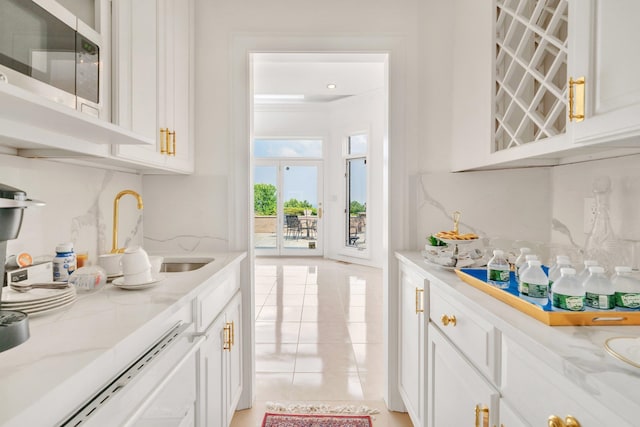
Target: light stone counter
575 351
74 352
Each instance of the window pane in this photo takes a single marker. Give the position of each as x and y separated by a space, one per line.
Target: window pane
356 202
357 144
270 148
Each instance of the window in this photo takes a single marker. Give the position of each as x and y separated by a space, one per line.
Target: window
288 148
356 191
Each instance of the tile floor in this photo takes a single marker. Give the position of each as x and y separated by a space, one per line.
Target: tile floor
318 337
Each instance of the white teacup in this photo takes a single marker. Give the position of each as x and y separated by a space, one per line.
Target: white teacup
111 264
156 264
140 278
135 260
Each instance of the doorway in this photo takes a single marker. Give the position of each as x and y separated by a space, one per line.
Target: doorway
288 207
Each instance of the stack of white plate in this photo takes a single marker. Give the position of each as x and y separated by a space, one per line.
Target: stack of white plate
38 301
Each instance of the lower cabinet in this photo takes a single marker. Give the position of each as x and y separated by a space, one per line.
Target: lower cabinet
540 394
457 394
221 366
411 343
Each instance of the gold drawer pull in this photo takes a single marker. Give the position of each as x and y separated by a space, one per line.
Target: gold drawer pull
569 421
163 140
446 319
482 412
419 308
227 337
576 99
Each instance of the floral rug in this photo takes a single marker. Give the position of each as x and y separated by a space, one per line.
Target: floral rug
315 420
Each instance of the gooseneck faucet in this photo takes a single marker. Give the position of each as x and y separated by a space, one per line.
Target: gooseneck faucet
114 247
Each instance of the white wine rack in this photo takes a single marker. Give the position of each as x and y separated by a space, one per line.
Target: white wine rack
531 71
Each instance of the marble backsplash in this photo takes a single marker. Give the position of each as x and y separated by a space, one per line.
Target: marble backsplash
539 207
79 206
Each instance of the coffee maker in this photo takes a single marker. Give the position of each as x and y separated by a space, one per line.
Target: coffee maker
14 327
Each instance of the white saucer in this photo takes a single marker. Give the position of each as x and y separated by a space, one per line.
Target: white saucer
625 349
119 282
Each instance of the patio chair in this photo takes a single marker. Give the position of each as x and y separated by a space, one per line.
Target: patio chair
293 227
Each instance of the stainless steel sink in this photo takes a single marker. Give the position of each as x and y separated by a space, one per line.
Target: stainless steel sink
182 265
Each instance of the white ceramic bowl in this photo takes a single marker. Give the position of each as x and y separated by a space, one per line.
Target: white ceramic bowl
135 260
111 264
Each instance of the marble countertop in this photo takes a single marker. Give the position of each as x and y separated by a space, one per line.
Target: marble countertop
73 351
578 350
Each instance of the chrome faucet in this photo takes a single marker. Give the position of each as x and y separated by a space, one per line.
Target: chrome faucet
114 247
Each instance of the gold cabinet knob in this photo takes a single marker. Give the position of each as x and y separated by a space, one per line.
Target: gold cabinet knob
446 320
569 421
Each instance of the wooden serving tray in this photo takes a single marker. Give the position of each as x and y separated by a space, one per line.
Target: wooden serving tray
548 314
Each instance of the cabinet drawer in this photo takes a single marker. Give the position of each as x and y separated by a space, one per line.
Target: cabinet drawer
536 392
476 338
212 301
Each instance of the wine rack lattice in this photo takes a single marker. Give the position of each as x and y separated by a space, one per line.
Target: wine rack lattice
531 71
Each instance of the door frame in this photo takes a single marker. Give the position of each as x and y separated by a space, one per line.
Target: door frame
280 249
397 201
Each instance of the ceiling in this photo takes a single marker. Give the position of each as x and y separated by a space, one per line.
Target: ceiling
303 77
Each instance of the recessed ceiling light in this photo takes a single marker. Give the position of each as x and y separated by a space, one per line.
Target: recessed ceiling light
331 86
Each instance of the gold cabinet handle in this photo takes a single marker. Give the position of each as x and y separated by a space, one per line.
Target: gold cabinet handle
446 320
163 140
419 308
569 421
576 99
482 412
227 337
171 143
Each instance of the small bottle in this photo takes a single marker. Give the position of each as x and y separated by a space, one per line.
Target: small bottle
626 287
566 292
498 270
535 283
562 261
64 263
520 261
582 276
599 291
523 267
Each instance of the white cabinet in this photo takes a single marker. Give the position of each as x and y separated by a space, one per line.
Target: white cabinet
153 63
458 395
512 62
540 392
606 54
411 336
221 366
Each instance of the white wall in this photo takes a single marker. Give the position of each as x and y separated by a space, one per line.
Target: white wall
364 113
79 206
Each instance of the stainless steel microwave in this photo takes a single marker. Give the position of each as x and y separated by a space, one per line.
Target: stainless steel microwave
46 50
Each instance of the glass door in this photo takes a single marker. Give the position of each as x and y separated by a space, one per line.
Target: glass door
288 207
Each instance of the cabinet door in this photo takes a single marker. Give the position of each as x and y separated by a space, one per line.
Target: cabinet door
213 370
457 394
233 315
411 337
135 28
153 69
508 417
607 54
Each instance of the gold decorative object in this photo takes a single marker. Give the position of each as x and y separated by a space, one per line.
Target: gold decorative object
419 308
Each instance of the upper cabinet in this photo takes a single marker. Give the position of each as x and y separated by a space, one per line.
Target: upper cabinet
513 104
607 55
153 82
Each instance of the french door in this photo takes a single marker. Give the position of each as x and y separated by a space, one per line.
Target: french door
288 207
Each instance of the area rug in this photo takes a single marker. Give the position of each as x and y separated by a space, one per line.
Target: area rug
308 420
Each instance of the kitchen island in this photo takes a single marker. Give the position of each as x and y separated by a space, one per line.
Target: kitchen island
73 354
478 351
